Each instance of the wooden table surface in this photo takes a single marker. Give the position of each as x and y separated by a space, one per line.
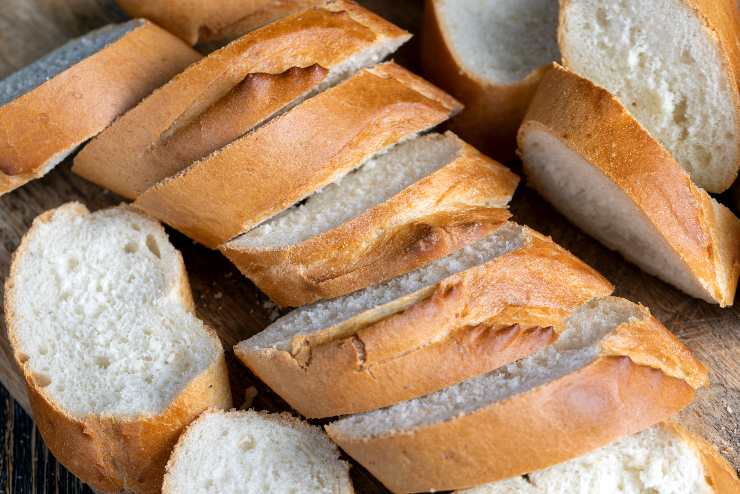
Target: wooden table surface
230 303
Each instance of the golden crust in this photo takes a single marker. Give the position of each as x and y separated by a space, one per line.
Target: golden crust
122 159
425 221
38 128
611 397
114 454
492 111
468 324
591 122
282 162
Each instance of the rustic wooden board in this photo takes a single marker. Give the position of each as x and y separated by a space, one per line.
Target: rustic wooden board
228 302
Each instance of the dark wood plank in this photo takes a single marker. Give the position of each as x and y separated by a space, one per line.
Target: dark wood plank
30 28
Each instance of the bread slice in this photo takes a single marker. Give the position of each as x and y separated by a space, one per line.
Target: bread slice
675 65
421 200
664 459
100 320
587 156
613 371
491 55
309 147
213 20
478 308
50 107
234 90
255 453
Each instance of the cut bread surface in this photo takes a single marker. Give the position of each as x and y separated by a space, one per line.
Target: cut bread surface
59 60
577 346
501 41
683 90
657 460
255 453
329 313
102 314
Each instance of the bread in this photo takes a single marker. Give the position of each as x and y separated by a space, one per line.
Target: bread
421 200
255 453
490 55
212 102
586 155
665 459
50 107
480 307
100 320
613 371
213 20
684 92
309 147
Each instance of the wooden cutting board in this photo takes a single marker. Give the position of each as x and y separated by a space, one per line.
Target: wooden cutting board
232 305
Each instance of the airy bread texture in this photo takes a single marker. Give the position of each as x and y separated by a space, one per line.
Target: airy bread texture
419 201
613 371
664 459
297 153
674 64
234 90
100 319
255 453
478 308
50 107
212 20
587 156
491 55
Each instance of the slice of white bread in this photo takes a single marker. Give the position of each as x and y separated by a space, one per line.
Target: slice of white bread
50 107
675 65
203 21
100 320
587 156
297 153
491 55
255 453
664 459
419 201
480 307
613 371
233 90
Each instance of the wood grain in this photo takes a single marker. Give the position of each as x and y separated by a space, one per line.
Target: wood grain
230 303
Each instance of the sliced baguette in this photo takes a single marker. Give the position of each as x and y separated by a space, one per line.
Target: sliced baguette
255 453
50 107
309 147
476 309
491 55
613 371
234 90
420 201
587 156
665 459
203 21
675 65
100 320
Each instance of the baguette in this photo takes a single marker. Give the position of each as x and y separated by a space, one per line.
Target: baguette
613 371
586 155
255 453
203 21
685 92
234 90
401 210
100 321
664 459
311 146
50 107
480 307
490 55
